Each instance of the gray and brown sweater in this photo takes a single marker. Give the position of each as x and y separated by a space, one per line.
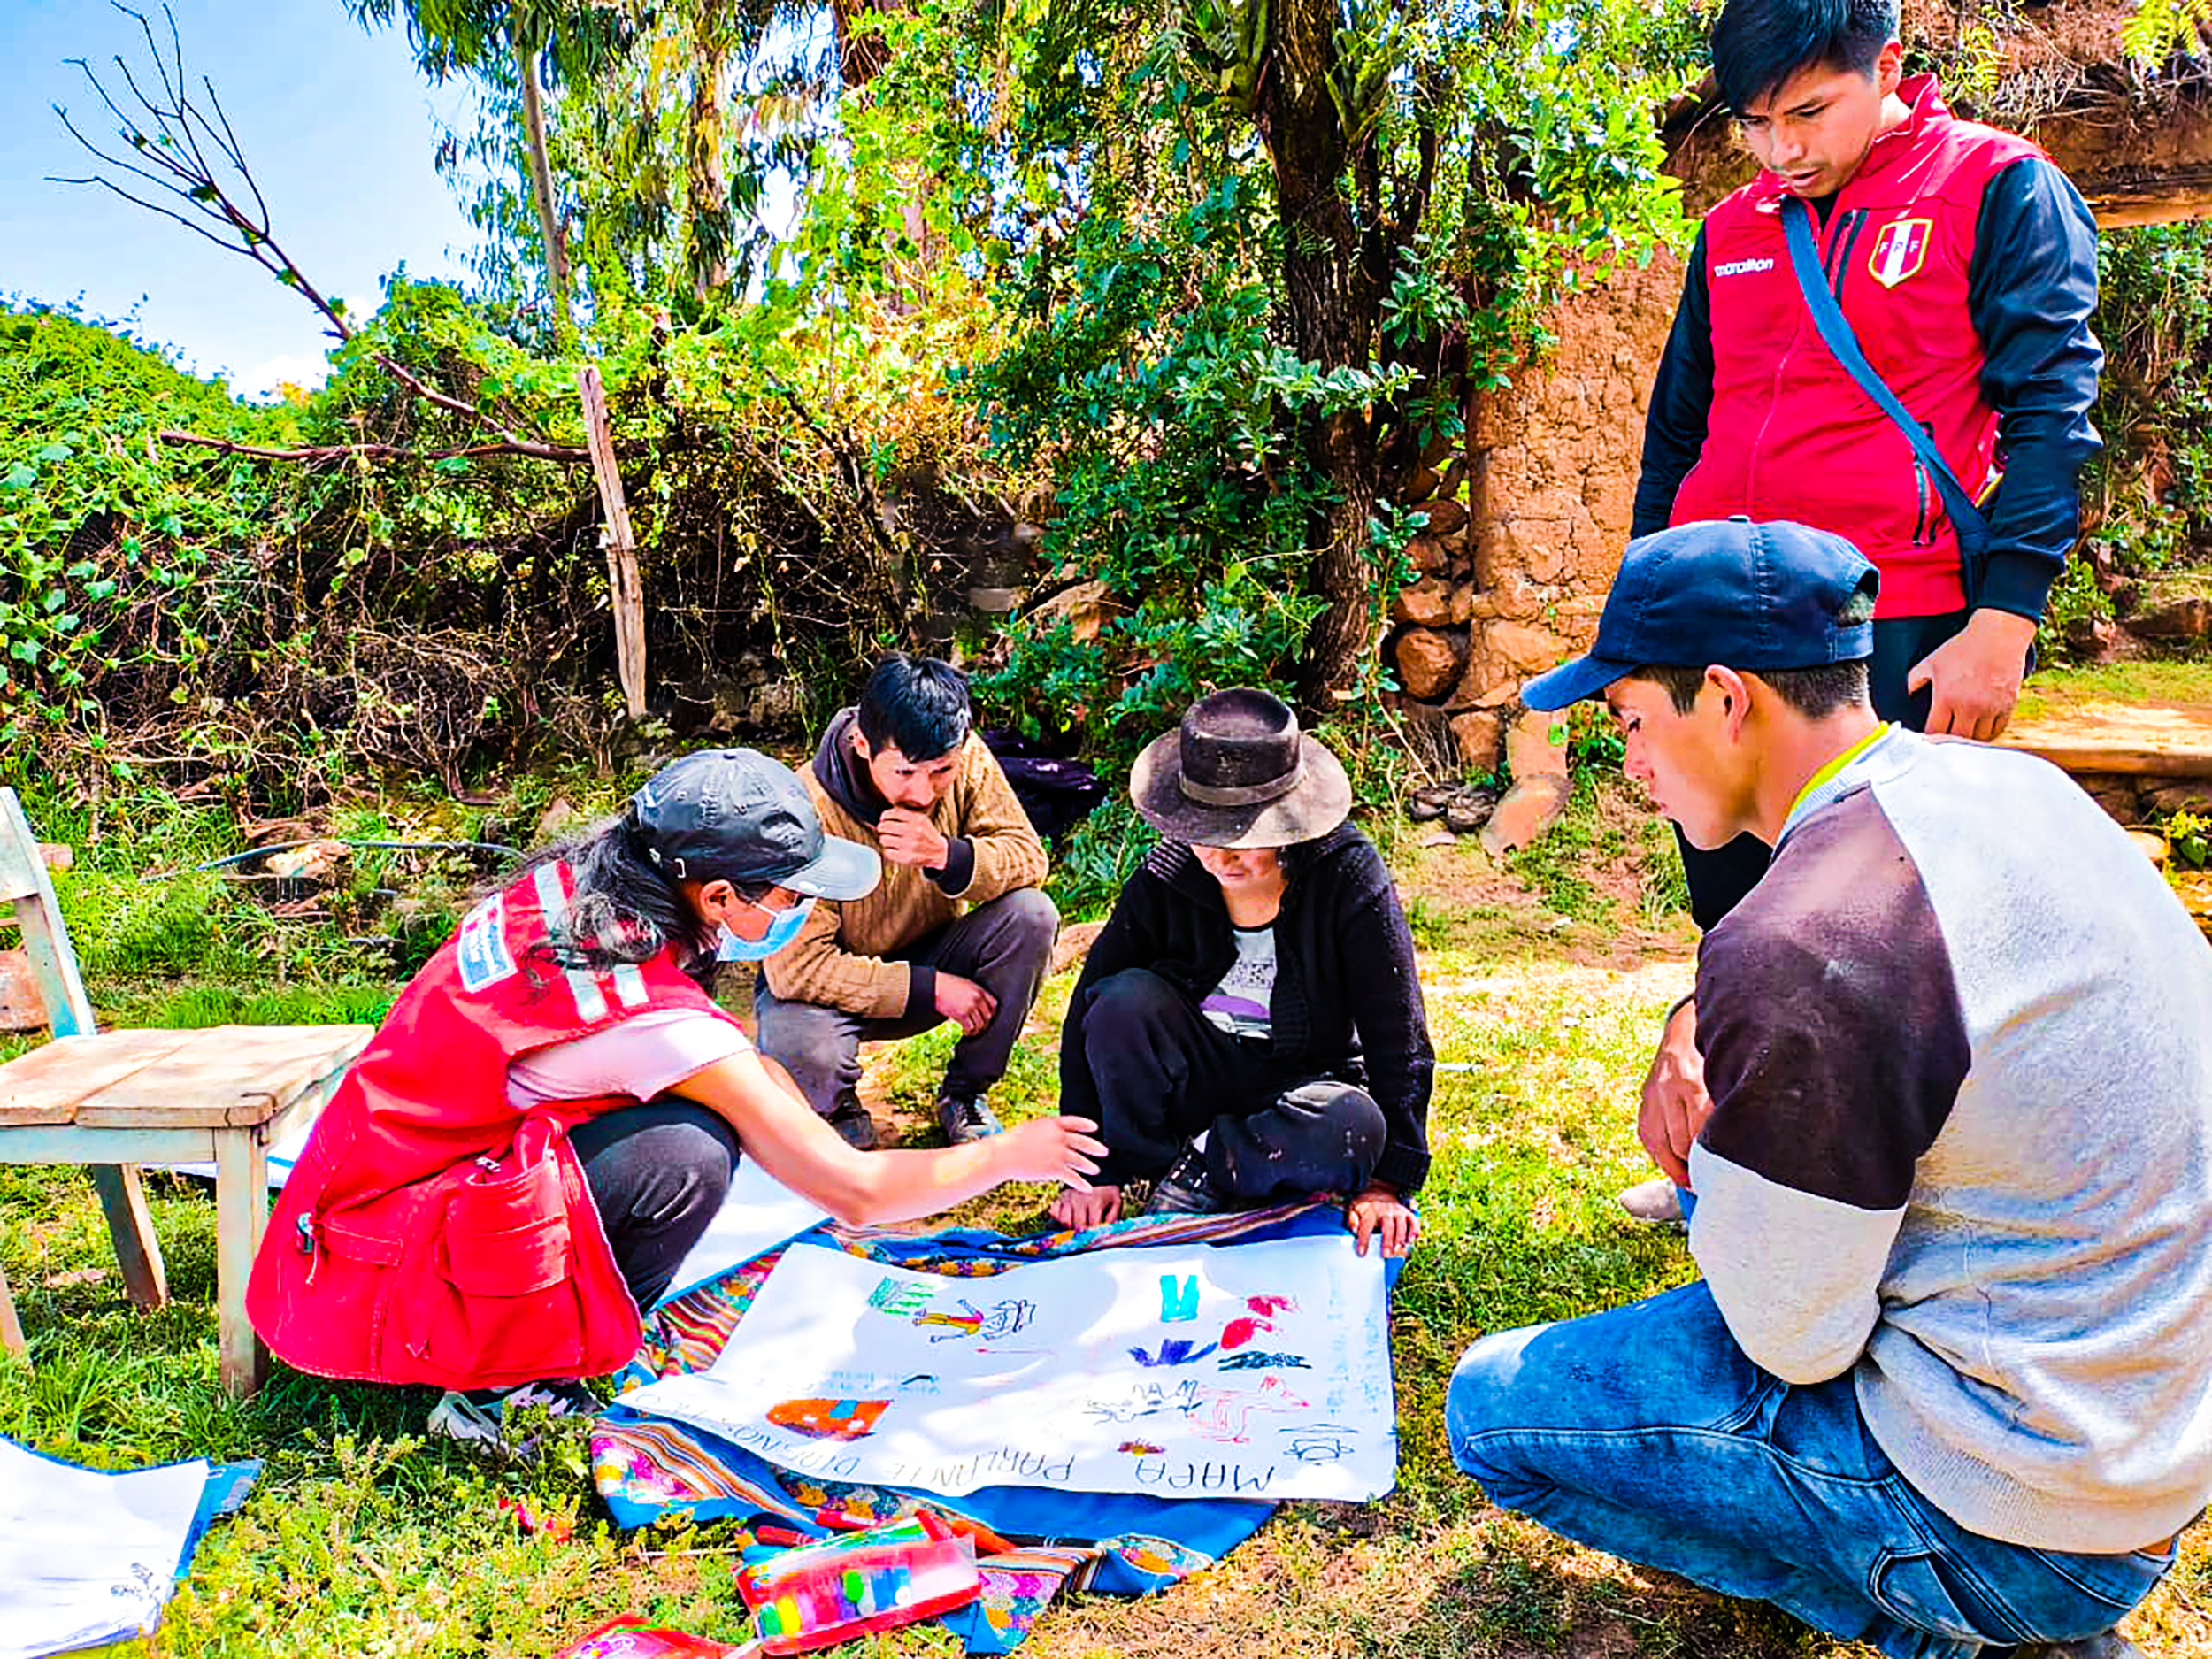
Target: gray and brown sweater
842 957
1959 1042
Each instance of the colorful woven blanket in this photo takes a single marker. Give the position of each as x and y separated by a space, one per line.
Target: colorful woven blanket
1030 1543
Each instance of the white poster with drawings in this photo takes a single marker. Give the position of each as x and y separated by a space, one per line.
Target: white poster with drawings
1257 1371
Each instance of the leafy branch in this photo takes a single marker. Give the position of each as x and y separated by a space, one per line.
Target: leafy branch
171 171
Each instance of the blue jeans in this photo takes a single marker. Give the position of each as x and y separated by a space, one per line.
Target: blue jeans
1646 1432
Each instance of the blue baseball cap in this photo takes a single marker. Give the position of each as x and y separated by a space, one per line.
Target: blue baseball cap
1751 597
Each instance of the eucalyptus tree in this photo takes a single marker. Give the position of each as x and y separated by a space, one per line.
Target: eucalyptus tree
1347 213
517 48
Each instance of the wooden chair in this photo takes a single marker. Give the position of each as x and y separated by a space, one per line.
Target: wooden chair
114 1099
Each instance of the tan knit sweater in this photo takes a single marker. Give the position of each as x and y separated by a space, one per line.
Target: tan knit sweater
838 960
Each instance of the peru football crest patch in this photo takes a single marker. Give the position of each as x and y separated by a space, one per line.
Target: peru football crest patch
1899 250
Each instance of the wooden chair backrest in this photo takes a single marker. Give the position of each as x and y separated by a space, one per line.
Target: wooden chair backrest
25 883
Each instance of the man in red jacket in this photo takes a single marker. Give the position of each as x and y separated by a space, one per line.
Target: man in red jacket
1966 265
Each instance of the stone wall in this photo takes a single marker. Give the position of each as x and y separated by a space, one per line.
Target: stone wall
1527 522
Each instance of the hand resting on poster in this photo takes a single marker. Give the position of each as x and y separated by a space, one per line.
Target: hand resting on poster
1379 1213
776 1127
1376 1213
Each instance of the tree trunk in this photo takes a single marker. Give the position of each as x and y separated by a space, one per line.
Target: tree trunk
1335 305
707 233
549 223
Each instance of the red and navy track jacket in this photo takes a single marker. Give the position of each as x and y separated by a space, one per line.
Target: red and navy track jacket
1967 264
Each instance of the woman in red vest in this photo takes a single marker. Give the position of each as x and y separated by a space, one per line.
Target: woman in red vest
548 1117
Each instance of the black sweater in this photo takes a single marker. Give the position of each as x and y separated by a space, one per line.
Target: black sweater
1346 1003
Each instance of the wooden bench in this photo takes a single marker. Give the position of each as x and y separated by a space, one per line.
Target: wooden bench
2140 739
114 1099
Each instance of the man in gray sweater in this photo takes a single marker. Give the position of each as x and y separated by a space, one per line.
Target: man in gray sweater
1946 1384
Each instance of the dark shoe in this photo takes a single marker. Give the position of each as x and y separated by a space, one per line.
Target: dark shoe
1468 811
2107 1644
851 1120
965 1120
1429 800
1186 1189
479 1416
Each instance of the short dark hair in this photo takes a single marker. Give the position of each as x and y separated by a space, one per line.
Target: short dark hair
1759 44
918 705
1816 693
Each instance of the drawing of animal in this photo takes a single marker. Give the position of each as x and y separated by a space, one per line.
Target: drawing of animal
1226 1414
1146 1399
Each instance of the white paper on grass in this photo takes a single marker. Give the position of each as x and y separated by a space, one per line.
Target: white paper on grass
88 1557
1258 1371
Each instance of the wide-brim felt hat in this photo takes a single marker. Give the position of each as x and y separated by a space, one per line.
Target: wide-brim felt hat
1238 773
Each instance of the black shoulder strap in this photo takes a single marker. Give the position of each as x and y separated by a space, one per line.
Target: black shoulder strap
1835 331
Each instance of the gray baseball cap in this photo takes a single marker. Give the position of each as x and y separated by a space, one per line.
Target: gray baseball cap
735 815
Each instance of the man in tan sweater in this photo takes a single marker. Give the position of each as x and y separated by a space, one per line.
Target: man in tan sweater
958 928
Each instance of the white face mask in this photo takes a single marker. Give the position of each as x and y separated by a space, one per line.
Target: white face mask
781 931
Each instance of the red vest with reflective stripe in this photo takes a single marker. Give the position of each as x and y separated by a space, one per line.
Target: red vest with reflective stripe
430 1232
1790 434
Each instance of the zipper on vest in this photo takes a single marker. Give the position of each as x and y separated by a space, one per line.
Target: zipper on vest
1922 531
1857 217
308 1243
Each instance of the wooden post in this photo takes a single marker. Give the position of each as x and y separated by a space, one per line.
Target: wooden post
623 587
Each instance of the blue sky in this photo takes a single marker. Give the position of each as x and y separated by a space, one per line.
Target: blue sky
335 123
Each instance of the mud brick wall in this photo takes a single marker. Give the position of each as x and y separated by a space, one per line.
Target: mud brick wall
1527 519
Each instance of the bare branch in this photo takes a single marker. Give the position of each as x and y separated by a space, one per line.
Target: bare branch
565 454
236 156
215 212
113 161
152 207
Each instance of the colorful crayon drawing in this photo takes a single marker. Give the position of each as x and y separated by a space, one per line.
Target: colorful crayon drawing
1263 1310
1083 1374
828 1419
1254 1360
1179 1298
1317 1445
1148 1400
1174 1350
1003 1320
1226 1417
895 1297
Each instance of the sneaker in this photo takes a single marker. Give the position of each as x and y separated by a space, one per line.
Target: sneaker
479 1416
1186 1189
1657 1203
964 1120
851 1120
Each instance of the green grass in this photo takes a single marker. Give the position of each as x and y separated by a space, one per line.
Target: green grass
362 1539
1606 827
2053 690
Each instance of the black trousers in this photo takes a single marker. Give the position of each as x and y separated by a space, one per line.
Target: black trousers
1164 1072
657 1173
1004 946
1718 880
